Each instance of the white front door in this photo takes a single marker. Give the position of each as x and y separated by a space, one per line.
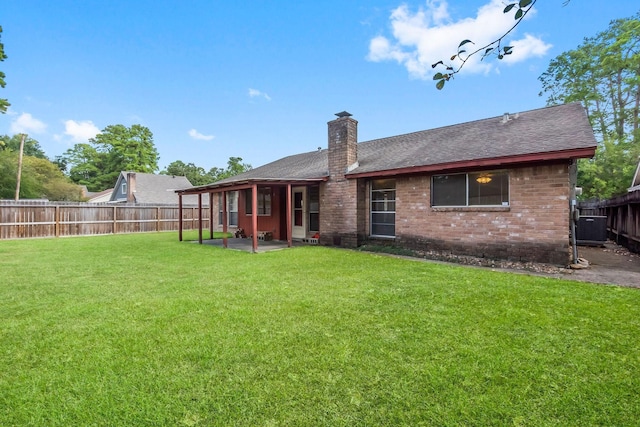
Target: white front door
298 223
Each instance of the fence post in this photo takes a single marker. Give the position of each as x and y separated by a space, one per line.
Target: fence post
57 219
115 215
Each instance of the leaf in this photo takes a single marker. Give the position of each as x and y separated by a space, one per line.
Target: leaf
500 56
453 57
507 49
440 84
508 8
463 42
438 76
519 14
524 3
487 50
436 64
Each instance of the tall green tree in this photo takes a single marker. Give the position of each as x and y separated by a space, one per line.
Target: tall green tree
234 167
40 179
4 104
117 148
603 73
31 146
197 175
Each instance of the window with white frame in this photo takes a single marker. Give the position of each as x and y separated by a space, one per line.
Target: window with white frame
264 201
232 208
470 189
383 208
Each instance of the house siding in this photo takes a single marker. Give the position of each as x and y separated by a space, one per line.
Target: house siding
535 227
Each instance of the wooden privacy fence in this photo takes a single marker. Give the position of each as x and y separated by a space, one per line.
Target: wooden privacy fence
27 219
623 218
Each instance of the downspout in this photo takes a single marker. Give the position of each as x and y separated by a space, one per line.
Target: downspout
574 214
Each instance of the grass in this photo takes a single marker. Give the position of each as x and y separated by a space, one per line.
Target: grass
145 330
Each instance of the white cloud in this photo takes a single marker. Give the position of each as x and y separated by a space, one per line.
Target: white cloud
26 123
80 131
197 135
428 35
256 93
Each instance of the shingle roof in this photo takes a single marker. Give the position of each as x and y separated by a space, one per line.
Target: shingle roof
553 129
158 189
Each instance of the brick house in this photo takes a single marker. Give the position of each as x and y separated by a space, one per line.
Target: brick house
496 188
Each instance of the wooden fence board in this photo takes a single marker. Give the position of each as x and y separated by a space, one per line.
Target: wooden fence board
30 219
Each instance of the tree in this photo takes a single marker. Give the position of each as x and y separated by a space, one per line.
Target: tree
31 146
197 175
40 179
234 167
88 167
4 104
117 148
128 149
603 73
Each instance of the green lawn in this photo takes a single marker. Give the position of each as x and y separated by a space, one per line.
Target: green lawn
145 330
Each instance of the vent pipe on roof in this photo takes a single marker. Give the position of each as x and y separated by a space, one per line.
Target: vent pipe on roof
507 117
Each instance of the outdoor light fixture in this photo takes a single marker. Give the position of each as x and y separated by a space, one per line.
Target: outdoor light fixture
484 179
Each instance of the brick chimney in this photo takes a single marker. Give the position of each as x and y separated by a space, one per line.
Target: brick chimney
343 144
131 187
338 198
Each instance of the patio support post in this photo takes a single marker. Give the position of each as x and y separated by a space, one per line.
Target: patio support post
254 216
210 216
223 208
200 218
289 223
179 217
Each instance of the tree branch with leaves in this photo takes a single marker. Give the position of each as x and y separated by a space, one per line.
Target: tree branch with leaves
494 48
4 104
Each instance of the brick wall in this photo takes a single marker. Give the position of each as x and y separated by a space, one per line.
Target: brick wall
535 227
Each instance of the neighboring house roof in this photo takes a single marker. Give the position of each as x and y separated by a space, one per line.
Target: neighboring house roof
100 196
635 183
550 133
152 189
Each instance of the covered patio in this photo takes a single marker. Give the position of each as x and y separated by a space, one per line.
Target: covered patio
285 207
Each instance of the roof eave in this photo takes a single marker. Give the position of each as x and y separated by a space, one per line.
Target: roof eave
248 183
520 159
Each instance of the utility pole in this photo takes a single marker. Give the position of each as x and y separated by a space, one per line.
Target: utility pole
24 136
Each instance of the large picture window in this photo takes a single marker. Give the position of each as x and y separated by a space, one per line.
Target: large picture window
383 208
471 189
264 202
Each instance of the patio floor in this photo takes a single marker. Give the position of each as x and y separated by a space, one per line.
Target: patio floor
247 246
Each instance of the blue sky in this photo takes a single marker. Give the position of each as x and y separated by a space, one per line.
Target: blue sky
260 79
